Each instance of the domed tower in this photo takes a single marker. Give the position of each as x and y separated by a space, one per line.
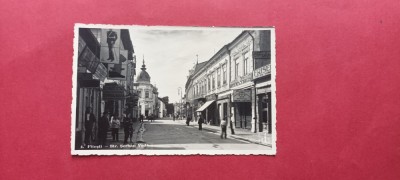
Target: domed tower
143 77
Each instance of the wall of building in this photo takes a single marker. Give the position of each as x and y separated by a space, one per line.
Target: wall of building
237 58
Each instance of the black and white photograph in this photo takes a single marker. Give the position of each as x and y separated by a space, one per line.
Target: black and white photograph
165 90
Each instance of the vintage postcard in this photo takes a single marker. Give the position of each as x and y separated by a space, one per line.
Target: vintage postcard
163 90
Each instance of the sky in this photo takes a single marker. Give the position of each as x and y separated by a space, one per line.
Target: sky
169 54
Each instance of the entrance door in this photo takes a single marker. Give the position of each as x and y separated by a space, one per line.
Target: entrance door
264 107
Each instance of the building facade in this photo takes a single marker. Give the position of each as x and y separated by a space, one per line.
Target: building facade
234 84
162 109
97 88
147 94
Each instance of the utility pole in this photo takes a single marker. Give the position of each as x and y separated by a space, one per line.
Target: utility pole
180 92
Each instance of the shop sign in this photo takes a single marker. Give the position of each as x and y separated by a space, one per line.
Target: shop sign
89 60
211 97
113 91
85 76
242 95
262 71
261 54
224 97
101 72
81 45
110 42
117 71
263 90
241 80
89 83
82 69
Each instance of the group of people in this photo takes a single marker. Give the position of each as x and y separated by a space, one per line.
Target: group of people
105 124
115 123
149 117
201 121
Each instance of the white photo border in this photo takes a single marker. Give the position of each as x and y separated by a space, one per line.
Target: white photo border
272 151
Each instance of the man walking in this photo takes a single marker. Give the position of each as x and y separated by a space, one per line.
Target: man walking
200 123
104 125
141 117
223 128
188 119
89 121
128 129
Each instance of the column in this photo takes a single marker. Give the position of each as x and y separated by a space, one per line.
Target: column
254 118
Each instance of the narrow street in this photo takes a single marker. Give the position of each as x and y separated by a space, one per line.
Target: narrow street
175 135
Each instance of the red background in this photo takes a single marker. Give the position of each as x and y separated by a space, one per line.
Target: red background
338 89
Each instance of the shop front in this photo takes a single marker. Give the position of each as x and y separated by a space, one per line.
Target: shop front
262 81
241 108
208 110
223 107
114 97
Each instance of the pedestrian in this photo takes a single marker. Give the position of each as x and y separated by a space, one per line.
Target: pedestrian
103 128
128 129
173 117
223 128
188 119
141 117
89 121
115 124
131 131
200 123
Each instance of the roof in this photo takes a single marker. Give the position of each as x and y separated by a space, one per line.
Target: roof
143 77
199 66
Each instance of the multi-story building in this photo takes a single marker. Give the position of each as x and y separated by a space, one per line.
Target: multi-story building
97 87
162 112
234 84
147 94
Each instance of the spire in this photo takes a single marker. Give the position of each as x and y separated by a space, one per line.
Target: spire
197 59
143 66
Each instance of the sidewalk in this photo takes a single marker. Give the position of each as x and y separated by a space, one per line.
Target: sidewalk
262 138
121 134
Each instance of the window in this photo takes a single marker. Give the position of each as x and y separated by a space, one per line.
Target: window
147 94
213 80
209 83
224 74
246 63
245 66
236 69
219 77
139 94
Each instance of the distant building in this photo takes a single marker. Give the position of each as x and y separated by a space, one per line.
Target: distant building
147 94
162 109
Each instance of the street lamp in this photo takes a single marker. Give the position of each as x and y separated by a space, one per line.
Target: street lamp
180 92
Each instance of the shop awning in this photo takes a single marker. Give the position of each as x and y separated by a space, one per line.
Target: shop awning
204 106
